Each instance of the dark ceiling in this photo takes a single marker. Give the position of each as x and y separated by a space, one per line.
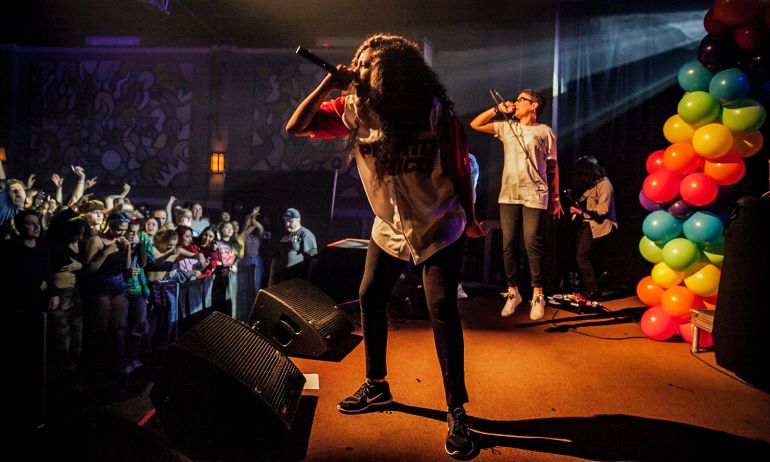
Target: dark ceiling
286 23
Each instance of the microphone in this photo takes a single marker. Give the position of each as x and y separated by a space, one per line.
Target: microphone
317 60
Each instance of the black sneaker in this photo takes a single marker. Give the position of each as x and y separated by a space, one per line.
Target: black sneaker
369 395
458 439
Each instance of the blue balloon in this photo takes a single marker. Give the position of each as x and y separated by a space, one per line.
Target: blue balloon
680 209
693 76
660 227
703 228
648 204
729 85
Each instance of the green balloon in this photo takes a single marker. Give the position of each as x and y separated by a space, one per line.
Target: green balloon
650 250
680 253
698 108
743 115
715 253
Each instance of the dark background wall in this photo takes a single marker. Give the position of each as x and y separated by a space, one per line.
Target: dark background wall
224 77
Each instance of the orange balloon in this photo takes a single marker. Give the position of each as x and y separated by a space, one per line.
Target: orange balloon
648 291
681 158
725 170
746 144
677 302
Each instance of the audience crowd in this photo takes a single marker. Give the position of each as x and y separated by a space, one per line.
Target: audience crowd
97 268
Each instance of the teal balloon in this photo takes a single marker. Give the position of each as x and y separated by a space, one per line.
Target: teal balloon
703 228
729 85
693 76
660 227
743 115
680 253
698 108
650 251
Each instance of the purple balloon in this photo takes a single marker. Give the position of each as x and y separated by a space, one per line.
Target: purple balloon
680 209
648 204
717 52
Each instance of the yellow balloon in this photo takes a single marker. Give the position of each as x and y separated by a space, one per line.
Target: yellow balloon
712 140
677 130
666 277
703 280
746 144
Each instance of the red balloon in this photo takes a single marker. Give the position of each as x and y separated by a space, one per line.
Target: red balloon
725 170
705 340
735 12
714 26
698 189
657 325
681 158
655 161
661 186
749 36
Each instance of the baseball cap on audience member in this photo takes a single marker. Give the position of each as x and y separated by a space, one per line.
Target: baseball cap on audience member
290 213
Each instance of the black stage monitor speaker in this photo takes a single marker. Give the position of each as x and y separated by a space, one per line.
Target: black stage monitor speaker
224 380
299 317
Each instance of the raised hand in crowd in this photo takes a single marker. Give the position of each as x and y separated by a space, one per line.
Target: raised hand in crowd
90 183
57 180
31 180
79 172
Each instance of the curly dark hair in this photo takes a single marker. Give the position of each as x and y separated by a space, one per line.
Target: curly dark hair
402 91
587 173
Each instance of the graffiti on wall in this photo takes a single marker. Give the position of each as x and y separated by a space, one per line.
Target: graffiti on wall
122 121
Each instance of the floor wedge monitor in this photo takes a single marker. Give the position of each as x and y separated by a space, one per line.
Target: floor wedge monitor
299 317
222 378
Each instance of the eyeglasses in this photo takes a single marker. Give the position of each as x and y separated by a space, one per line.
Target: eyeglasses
521 98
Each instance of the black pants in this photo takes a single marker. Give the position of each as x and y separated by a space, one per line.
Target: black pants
587 251
516 221
440 275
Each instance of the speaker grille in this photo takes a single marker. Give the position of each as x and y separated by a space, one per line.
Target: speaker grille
250 358
312 304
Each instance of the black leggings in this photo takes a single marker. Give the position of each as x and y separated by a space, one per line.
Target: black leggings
440 274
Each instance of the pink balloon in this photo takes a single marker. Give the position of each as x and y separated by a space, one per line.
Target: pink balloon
657 325
705 340
661 186
655 161
698 189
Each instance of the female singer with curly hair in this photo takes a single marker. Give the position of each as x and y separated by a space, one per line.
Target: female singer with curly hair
411 155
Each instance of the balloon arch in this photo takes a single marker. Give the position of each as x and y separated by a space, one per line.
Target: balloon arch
688 188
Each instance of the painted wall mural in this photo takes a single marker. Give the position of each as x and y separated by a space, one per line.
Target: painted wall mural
123 121
281 83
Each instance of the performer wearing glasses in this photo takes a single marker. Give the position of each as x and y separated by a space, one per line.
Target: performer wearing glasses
530 187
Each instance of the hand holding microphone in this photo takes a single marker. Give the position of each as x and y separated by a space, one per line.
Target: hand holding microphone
342 77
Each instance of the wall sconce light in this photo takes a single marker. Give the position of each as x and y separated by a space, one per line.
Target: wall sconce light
217 162
3 156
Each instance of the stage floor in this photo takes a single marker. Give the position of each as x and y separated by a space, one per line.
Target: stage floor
568 387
